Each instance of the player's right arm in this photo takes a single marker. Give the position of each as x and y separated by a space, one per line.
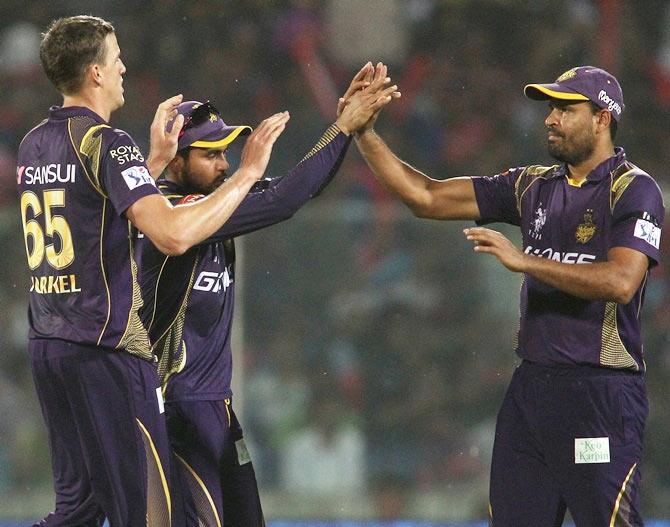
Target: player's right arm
175 229
450 199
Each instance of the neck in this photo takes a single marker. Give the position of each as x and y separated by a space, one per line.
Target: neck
580 171
89 101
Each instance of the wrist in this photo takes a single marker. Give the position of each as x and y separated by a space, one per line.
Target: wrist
526 262
155 165
343 127
248 175
365 133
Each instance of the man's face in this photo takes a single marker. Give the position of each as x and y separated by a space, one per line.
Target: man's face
571 132
112 72
205 169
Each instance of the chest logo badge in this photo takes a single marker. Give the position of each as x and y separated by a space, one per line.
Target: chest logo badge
587 229
538 222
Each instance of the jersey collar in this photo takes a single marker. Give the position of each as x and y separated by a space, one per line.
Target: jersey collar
60 112
601 171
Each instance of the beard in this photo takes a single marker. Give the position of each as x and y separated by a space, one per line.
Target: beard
196 185
574 150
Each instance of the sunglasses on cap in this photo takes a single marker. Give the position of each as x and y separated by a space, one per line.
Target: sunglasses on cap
200 115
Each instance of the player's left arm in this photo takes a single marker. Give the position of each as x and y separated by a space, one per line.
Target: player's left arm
282 197
615 280
285 195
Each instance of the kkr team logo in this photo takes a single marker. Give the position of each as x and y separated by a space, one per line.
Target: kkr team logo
538 223
587 229
567 75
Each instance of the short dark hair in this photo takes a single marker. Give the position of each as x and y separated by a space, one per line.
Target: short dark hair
613 122
69 46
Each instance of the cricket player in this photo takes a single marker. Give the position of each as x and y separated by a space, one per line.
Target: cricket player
79 182
569 433
190 298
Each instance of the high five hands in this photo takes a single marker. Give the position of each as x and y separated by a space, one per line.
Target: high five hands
370 90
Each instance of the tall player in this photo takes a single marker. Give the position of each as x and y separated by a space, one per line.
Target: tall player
190 313
79 182
569 433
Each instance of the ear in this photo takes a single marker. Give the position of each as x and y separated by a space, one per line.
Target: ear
95 74
177 165
603 120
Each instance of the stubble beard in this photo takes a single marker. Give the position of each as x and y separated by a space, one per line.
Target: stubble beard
193 185
573 152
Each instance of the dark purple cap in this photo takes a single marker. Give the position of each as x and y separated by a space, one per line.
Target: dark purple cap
585 83
205 128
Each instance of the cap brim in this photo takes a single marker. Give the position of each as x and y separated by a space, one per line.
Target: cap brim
239 130
543 92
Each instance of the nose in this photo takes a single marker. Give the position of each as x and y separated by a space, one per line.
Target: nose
123 68
223 164
552 118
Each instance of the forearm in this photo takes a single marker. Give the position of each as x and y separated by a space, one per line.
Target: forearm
449 199
175 229
598 281
287 194
404 181
194 222
309 177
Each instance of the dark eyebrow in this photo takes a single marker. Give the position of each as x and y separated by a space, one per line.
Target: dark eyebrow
561 104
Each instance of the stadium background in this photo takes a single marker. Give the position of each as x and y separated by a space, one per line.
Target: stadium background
373 349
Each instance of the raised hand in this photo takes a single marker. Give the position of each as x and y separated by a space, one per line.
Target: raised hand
360 81
163 141
256 153
360 107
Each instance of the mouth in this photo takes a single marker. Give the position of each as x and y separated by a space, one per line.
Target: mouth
220 180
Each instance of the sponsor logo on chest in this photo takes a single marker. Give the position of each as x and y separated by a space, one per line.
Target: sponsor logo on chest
561 256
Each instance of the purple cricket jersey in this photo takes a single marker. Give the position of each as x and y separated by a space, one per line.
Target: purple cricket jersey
76 177
189 299
618 205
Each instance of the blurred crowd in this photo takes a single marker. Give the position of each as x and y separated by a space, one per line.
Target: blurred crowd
375 348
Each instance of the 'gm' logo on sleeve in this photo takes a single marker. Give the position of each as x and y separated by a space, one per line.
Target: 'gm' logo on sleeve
214 282
137 176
